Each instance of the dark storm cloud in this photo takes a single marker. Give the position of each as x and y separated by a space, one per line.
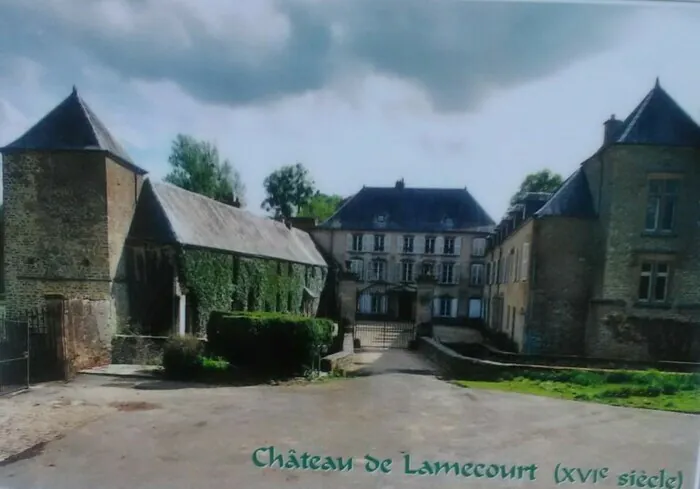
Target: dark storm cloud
458 52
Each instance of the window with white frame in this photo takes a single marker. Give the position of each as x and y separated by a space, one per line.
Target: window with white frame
475 309
378 242
525 262
478 246
448 247
447 273
476 274
407 271
429 248
517 267
488 273
428 269
357 240
662 195
653 282
445 307
378 270
378 304
356 267
408 244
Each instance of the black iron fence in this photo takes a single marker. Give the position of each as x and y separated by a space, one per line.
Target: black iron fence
14 355
31 348
384 334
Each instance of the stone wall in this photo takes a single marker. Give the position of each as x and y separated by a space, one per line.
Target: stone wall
564 262
123 188
619 182
87 336
630 167
56 223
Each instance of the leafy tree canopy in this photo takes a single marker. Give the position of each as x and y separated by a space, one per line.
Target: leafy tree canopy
288 189
197 166
321 206
541 181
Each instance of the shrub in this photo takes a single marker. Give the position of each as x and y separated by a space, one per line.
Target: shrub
181 357
271 343
214 364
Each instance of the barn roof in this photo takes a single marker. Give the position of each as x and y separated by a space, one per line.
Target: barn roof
169 214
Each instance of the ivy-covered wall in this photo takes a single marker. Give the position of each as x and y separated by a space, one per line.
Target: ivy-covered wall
221 281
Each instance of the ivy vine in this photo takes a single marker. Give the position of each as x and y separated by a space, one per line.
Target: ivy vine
222 282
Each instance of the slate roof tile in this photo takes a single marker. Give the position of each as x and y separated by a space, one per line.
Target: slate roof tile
411 210
572 199
72 125
194 220
659 120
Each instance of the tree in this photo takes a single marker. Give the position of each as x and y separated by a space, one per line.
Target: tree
288 189
320 206
196 166
541 181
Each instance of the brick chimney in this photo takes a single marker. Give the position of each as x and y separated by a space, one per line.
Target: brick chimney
613 130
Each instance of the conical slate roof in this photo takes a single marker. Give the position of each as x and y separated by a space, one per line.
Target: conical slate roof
660 121
72 125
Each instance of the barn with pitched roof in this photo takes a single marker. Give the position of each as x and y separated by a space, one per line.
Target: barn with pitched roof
84 223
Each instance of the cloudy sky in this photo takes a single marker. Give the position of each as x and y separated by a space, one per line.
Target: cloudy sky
442 93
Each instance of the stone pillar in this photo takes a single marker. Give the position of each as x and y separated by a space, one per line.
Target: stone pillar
180 313
425 292
347 291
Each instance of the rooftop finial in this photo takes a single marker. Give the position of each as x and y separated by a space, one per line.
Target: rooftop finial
657 85
75 90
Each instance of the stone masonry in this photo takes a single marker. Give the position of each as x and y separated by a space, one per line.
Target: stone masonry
70 213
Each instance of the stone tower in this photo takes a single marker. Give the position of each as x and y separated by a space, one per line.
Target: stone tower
70 191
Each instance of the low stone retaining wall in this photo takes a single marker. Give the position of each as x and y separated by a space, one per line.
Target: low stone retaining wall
341 360
487 352
454 365
137 350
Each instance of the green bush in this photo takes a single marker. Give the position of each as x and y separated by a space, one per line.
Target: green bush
270 343
181 357
214 364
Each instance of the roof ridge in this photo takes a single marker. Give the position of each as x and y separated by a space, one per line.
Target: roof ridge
86 112
636 113
162 208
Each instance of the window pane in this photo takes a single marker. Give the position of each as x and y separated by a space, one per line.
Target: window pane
652 213
662 268
654 186
669 209
660 289
646 267
644 283
672 186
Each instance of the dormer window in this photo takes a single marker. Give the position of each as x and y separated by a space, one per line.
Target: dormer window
380 220
448 223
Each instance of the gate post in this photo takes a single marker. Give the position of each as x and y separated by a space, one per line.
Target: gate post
55 321
425 291
347 291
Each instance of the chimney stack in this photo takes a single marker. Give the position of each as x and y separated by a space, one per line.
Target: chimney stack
400 184
613 130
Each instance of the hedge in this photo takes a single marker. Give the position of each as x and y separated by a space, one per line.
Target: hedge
270 343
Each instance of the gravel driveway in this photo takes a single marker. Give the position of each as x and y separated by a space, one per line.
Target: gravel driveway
203 437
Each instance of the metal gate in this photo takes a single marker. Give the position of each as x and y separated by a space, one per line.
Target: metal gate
46 343
14 355
384 334
31 348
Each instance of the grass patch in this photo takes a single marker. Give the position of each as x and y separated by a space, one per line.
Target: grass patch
644 389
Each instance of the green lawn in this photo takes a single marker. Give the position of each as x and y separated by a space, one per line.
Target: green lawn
651 389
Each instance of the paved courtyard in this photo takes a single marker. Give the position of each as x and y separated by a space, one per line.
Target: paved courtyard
145 434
